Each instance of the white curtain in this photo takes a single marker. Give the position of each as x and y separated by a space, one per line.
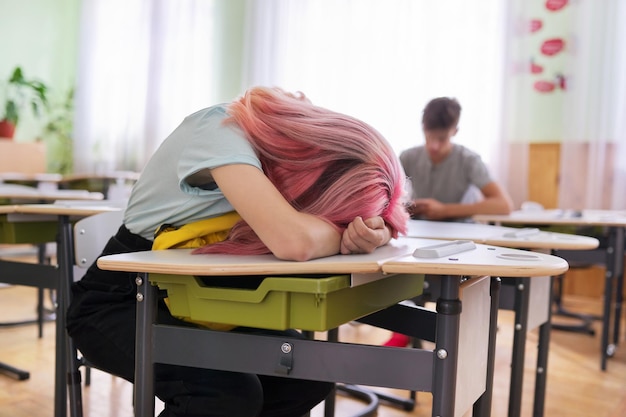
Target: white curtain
143 66
383 60
593 162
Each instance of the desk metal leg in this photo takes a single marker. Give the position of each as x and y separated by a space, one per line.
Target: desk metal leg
542 363
41 258
368 396
68 381
482 407
65 256
329 402
606 319
144 368
522 298
586 320
74 381
14 372
446 347
619 271
614 259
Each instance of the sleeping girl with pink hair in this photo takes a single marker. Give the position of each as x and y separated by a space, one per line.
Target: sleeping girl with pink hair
277 175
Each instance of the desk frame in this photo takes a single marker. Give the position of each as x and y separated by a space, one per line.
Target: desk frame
613 289
57 277
413 369
522 288
614 276
517 295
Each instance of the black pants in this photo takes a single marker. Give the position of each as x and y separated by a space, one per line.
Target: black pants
101 322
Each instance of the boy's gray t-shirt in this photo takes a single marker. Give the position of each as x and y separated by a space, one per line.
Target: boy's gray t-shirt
450 180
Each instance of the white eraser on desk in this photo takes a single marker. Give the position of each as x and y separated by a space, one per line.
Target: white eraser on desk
444 249
527 231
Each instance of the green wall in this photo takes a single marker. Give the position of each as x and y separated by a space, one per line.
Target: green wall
41 36
230 51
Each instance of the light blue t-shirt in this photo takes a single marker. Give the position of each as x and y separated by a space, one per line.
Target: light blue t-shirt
162 195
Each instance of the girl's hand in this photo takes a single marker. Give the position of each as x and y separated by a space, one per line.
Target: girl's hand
363 236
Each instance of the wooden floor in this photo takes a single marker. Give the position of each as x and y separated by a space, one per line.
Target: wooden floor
576 385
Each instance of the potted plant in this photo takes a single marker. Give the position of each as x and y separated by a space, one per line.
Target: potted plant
58 133
21 92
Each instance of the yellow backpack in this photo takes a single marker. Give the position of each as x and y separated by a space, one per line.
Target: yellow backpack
194 235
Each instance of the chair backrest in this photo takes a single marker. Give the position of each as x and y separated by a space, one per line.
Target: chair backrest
92 233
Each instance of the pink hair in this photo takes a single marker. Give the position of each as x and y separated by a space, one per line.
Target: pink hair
324 163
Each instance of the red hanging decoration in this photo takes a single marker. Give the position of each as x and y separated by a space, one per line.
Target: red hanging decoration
544 86
535 68
535 25
552 46
561 81
555 5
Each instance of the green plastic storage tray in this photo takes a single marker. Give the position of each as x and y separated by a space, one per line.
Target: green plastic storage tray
315 303
27 232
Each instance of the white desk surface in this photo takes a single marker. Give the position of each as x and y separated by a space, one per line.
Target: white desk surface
57 178
21 192
19 176
484 260
499 235
64 208
395 257
559 217
109 175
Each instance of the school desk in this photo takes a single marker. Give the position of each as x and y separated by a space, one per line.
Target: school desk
615 223
465 337
531 299
51 181
21 177
25 194
44 223
103 181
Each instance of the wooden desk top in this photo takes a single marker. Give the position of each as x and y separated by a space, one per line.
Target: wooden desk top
57 178
111 175
30 177
181 261
500 235
64 208
559 217
395 257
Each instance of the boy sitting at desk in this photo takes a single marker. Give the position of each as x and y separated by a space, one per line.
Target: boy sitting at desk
449 181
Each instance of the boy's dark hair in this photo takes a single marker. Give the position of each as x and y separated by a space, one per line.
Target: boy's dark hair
441 113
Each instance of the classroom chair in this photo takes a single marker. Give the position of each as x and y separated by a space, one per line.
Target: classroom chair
575 259
579 260
90 236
